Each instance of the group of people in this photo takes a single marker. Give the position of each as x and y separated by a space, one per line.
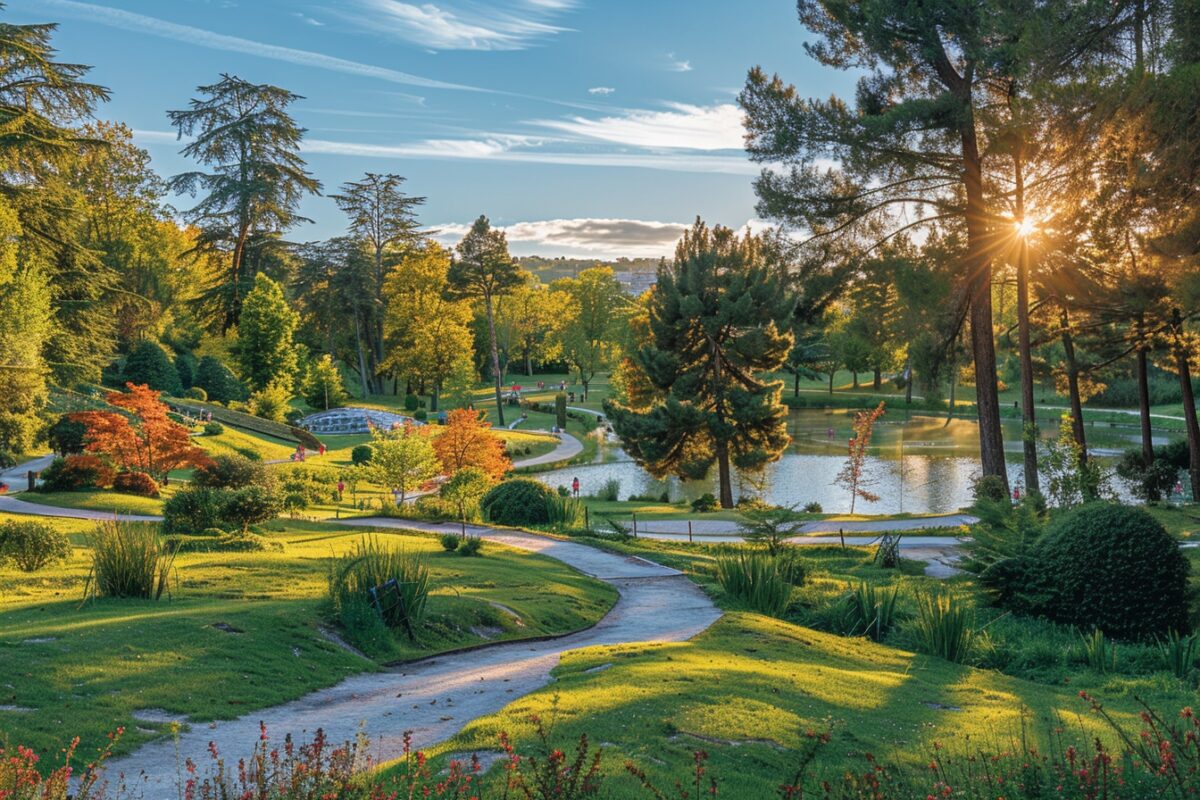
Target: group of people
301 453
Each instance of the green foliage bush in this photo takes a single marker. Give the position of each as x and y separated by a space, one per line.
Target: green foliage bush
128 560
218 382
813 508
361 454
250 505
30 546
705 503
370 566
761 582
1152 482
213 429
1115 568
138 483
450 542
944 627
230 471
990 487
411 402
565 513
867 611
471 546
610 491
519 501
196 393
75 472
149 364
223 542
66 436
194 508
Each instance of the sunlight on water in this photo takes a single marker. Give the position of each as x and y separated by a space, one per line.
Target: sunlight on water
940 462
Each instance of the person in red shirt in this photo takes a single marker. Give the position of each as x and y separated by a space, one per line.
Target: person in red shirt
575 486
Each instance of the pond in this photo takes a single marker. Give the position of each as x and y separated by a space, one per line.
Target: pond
919 464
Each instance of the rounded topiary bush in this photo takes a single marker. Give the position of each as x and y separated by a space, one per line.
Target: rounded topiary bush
1115 568
517 502
138 483
361 454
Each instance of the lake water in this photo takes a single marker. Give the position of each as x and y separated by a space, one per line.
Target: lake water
918 463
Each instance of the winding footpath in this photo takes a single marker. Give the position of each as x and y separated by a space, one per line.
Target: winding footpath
437 697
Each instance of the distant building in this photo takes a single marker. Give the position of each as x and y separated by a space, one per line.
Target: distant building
636 282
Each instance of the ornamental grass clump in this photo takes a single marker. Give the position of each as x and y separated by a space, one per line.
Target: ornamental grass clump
388 581
128 560
944 627
868 611
761 582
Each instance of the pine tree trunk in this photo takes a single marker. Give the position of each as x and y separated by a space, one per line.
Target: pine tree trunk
831 374
908 382
1073 387
1143 382
796 384
491 318
878 382
979 282
724 479
1028 412
855 379
1189 404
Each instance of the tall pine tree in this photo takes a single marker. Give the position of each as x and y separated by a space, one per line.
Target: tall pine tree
719 318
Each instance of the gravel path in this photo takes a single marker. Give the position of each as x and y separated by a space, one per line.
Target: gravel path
435 698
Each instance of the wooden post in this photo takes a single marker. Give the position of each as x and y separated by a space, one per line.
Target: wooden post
634 524
32 480
587 519
842 535
689 530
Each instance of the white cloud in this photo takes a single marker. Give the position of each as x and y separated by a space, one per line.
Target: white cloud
127 20
309 20
462 26
678 64
532 151
608 238
716 127
601 90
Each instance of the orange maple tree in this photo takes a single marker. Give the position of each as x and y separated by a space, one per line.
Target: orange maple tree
145 439
468 441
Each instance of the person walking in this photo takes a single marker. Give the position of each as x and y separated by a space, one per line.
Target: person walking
341 487
575 487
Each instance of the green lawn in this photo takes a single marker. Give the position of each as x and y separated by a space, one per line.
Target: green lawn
98 500
234 440
84 670
747 690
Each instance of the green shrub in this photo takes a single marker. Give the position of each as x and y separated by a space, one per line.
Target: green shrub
867 611
149 364
220 384
759 581
370 567
471 546
75 472
565 513
213 429
361 454
433 507
519 501
944 627
411 402
1097 652
196 393
194 508
230 471
1114 568
250 505
813 508
66 436
770 527
705 503
1179 653
450 542
990 487
128 560
138 483
223 543
610 491
30 546
420 415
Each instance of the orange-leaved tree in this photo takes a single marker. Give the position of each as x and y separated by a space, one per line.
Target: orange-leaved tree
468 441
143 440
852 476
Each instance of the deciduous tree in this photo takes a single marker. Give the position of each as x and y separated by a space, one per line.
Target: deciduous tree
266 350
853 477
402 459
467 440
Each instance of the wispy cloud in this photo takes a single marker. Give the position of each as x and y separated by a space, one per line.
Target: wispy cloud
530 150
306 19
635 238
153 26
717 127
678 64
508 25
601 90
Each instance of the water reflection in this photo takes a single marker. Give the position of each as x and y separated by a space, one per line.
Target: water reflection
918 464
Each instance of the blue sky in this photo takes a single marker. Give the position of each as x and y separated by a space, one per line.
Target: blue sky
584 127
